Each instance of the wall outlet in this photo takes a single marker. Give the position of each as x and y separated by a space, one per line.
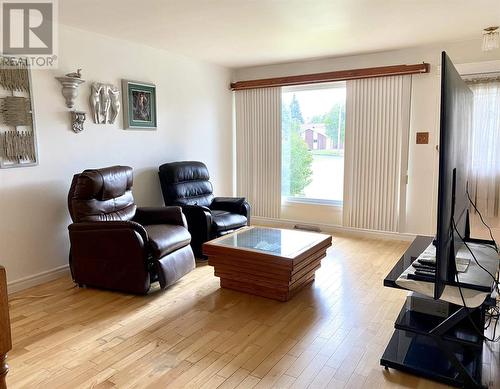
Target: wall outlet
422 138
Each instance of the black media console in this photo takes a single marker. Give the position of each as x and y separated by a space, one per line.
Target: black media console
448 350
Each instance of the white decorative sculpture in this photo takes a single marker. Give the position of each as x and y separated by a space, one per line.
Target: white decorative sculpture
105 103
95 101
114 94
103 99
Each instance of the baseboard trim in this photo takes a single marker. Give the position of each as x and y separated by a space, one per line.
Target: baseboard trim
37 279
332 229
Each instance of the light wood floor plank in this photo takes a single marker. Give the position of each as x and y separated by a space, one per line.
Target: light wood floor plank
235 379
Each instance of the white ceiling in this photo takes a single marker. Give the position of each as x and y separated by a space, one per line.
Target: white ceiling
239 33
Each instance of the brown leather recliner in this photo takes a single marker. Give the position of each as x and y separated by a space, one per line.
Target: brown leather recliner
116 245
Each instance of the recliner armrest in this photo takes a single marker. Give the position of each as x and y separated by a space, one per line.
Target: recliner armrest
197 212
237 205
160 215
110 254
199 220
110 225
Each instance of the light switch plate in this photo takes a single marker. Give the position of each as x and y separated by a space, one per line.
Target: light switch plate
422 138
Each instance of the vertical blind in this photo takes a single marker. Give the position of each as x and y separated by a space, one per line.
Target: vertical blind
485 168
258 149
376 153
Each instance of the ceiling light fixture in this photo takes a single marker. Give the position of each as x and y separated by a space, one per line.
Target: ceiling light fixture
491 37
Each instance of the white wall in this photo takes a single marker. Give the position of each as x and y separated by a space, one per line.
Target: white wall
194 122
424 117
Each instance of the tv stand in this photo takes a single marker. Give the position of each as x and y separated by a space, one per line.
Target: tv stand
448 350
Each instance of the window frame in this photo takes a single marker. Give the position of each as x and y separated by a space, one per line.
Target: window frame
307 87
308 200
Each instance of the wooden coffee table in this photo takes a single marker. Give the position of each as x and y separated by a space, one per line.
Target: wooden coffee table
269 262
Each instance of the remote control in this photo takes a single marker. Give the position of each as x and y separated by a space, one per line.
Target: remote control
421 277
428 261
418 265
425 272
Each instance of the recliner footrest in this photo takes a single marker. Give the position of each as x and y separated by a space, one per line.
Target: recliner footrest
175 265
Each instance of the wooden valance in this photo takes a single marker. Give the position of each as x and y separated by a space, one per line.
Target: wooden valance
340 75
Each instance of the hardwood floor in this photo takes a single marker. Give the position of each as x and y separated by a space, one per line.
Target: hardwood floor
195 334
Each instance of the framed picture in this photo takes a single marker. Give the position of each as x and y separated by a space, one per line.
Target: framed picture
139 102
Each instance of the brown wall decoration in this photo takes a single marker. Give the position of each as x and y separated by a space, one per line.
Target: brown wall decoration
18 145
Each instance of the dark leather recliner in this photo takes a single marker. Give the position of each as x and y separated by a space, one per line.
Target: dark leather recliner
116 245
187 184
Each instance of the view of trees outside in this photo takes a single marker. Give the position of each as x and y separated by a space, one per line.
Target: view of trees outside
313 133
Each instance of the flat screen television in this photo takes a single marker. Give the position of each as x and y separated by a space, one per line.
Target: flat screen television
455 134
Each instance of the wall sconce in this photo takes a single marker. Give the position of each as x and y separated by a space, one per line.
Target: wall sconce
491 38
70 83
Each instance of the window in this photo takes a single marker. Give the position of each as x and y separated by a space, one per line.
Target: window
484 179
313 130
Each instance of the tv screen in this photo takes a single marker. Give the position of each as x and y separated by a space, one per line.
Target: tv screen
454 139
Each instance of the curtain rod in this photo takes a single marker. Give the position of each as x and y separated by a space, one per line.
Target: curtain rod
477 78
340 75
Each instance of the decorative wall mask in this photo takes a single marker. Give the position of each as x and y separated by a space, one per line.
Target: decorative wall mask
77 120
18 145
104 103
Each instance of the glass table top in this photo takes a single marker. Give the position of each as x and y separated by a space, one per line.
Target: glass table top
279 242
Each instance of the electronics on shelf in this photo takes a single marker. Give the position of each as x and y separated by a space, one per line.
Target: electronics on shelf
417 302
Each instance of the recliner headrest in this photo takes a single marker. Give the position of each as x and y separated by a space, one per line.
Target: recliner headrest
104 184
175 172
